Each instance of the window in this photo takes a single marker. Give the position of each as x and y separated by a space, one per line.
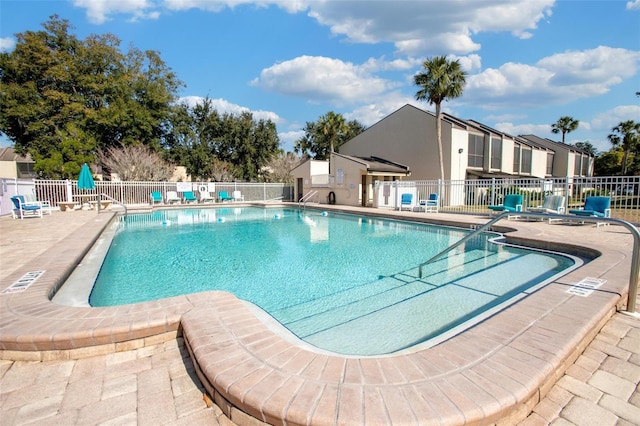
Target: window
496 153
516 158
585 166
576 167
526 161
549 163
475 155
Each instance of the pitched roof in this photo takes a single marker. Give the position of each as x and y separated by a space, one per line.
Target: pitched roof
378 165
9 154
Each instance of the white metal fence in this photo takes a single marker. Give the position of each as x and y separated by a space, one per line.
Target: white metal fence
474 196
457 196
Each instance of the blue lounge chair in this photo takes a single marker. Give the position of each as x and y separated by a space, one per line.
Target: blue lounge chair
406 201
512 203
594 207
20 209
189 197
224 196
431 204
156 198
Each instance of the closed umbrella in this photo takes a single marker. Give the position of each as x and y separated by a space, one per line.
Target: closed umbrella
85 180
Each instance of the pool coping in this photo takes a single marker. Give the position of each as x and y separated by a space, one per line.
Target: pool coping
496 371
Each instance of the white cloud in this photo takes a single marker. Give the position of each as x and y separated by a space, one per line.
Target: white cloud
321 79
288 139
633 5
523 129
7 44
223 106
291 6
419 26
606 120
557 79
99 11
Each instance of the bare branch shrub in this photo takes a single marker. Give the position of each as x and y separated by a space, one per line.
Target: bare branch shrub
222 171
135 163
278 169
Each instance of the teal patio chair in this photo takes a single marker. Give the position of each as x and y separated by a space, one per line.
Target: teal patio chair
594 207
224 196
156 198
430 204
21 209
512 203
189 197
406 201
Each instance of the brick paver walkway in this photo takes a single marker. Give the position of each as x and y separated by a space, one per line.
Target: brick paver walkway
157 385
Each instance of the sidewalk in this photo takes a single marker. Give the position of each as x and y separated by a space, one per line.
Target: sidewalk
157 385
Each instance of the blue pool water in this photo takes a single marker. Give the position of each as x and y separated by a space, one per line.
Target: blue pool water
342 283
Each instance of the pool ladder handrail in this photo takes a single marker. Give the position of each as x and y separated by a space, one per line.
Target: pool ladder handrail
306 197
635 257
113 200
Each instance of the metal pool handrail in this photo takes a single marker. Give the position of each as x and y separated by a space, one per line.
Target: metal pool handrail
113 200
635 258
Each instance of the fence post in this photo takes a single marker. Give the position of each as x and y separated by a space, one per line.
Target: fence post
69 191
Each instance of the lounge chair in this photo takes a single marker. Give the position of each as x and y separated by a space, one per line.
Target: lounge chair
156 198
594 207
430 204
172 197
406 202
512 203
20 209
206 197
237 196
189 197
224 196
553 204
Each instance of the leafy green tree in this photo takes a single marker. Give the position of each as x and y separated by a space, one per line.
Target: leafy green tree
626 135
564 125
608 163
62 99
326 135
199 135
440 80
587 147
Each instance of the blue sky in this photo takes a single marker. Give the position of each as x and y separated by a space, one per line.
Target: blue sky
529 62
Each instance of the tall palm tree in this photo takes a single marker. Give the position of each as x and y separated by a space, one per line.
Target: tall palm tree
440 80
626 135
564 125
332 126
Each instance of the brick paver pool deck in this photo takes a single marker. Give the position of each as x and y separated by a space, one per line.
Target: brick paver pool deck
535 363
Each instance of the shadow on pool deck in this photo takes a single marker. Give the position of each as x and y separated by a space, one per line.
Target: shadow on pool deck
496 372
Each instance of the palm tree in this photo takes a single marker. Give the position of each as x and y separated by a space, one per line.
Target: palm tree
332 125
440 80
564 125
626 135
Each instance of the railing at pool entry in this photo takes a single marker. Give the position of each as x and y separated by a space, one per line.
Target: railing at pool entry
307 197
113 200
635 257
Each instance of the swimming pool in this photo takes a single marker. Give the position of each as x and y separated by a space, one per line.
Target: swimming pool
341 283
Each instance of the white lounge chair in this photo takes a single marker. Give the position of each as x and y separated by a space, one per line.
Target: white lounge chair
553 204
237 196
172 197
206 197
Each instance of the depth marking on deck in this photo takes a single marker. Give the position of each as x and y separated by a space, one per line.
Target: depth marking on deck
23 282
586 286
